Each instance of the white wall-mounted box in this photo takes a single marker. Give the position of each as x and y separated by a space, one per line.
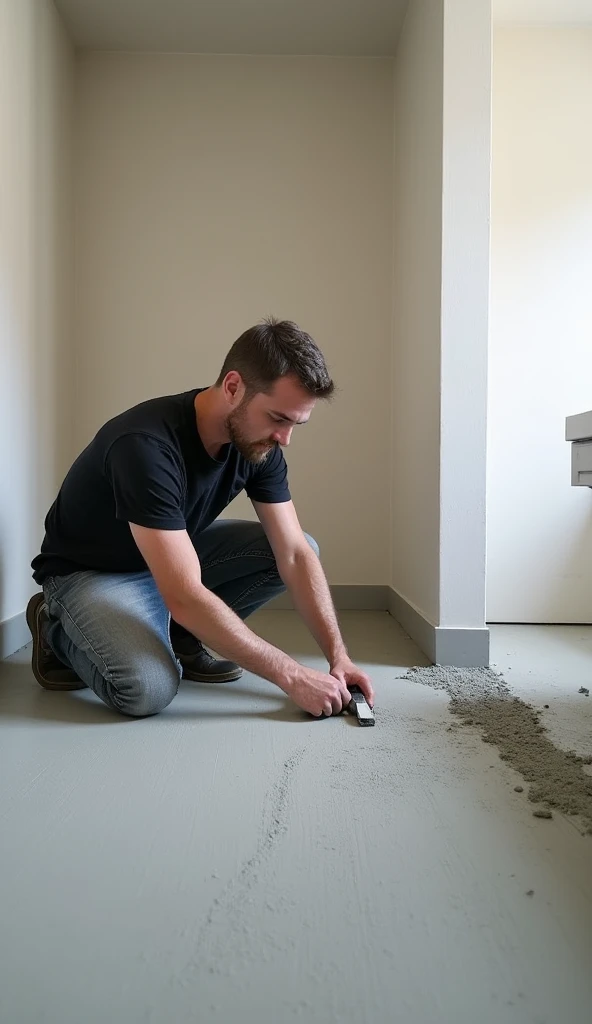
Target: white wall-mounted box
578 430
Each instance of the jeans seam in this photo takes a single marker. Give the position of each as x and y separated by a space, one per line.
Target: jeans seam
105 671
239 554
255 586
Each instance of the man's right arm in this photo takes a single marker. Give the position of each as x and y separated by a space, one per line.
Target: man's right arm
173 562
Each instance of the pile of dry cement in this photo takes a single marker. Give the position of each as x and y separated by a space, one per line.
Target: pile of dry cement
481 697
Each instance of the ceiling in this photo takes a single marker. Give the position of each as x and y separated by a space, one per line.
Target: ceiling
353 28
360 28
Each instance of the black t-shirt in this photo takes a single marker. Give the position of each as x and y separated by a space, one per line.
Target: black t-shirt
146 466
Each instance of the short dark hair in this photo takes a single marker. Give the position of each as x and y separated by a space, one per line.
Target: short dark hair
274 349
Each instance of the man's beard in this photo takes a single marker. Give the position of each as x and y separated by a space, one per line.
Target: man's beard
253 451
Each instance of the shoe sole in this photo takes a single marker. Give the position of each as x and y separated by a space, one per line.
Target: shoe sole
203 677
32 615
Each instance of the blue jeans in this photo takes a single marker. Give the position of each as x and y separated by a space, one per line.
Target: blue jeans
114 629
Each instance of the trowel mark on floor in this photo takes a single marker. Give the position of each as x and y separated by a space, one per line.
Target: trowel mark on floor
278 818
225 926
482 697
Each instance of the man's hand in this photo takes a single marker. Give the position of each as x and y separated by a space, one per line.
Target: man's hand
318 693
349 674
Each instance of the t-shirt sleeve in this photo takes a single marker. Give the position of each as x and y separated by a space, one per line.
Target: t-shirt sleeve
269 482
148 482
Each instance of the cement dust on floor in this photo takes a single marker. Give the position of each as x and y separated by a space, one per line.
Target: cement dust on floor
233 860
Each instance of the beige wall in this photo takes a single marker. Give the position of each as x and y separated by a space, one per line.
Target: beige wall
539 527
212 191
36 80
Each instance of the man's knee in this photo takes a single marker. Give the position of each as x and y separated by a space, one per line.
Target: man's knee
143 694
313 543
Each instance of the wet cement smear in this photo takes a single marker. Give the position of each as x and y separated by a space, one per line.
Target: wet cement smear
481 697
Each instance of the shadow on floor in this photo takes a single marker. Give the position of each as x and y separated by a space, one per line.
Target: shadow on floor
373 639
24 700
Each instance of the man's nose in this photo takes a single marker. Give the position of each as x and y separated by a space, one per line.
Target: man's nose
283 436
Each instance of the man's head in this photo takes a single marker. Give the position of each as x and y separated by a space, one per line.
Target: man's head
270 380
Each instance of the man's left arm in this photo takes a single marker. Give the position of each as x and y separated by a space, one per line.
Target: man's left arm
302 572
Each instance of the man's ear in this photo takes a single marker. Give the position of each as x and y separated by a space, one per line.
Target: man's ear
233 386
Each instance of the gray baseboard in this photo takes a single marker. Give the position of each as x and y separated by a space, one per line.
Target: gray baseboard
464 648
346 597
14 634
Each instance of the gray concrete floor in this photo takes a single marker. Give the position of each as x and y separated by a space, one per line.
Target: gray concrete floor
233 860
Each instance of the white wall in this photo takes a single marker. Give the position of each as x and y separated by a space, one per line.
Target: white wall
466 198
36 69
440 306
212 191
415 496
539 565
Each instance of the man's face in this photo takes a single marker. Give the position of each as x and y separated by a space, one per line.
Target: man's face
261 422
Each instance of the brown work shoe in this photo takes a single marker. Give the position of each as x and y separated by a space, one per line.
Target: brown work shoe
48 670
199 665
